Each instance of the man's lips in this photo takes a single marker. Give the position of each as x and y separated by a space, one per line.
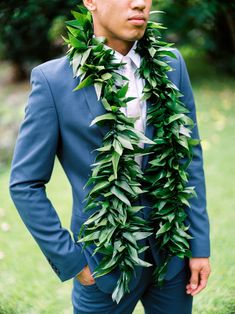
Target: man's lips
137 20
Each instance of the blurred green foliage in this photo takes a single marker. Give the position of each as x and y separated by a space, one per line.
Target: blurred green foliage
207 25
31 30
28 28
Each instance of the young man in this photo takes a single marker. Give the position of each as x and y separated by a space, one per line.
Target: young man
57 122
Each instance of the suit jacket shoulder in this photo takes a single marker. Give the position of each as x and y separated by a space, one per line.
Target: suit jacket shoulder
55 67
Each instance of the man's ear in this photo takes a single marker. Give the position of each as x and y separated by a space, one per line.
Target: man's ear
90 4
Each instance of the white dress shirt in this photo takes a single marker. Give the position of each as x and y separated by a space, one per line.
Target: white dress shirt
135 64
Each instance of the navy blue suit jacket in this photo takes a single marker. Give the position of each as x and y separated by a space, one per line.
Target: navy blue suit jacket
57 123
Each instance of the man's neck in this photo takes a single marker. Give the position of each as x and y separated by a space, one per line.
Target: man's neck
120 46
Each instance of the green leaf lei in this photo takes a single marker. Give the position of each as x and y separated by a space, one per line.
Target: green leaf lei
116 226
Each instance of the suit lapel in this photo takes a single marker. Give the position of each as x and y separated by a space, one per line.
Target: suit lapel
95 106
96 109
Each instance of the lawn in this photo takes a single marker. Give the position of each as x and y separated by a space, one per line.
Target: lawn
27 283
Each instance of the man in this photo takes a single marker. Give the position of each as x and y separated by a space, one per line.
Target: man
57 123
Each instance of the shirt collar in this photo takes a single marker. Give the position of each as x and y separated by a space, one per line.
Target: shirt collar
132 54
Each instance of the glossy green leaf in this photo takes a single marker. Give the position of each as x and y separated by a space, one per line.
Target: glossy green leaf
106 116
119 194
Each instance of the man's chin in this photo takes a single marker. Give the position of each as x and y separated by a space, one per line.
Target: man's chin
136 36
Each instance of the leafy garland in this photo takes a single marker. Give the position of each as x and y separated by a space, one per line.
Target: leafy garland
116 225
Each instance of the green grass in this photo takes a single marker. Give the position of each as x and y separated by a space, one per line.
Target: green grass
27 283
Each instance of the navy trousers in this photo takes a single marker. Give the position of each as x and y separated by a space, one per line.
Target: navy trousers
169 299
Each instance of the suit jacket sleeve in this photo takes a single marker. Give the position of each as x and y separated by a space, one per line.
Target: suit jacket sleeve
32 166
197 214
